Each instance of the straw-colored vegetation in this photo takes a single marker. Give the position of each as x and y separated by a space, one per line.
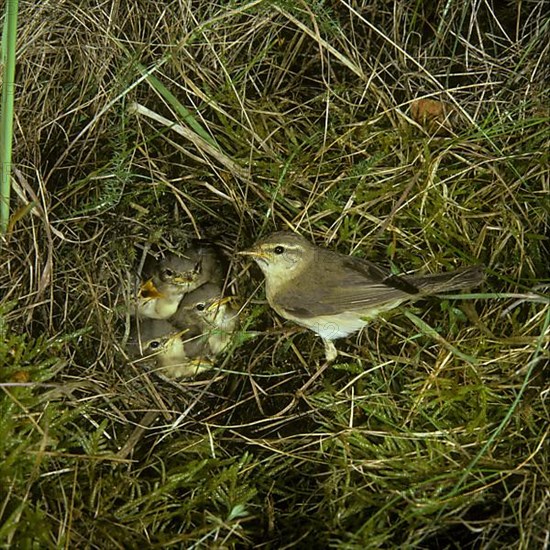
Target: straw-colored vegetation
149 123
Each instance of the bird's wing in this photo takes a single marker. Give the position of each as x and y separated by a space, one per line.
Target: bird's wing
356 285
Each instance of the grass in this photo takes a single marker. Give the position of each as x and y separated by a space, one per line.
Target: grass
145 126
6 116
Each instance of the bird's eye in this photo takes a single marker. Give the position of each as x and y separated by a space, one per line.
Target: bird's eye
279 250
155 344
168 273
200 307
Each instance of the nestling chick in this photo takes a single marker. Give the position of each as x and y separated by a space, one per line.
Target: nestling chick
170 278
176 353
216 316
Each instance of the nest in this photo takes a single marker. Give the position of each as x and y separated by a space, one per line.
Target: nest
149 125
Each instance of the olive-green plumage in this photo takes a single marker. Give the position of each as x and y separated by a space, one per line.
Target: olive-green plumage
174 352
334 294
170 278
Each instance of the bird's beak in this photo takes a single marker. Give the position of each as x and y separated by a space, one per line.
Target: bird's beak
217 303
186 279
149 291
254 252
202 363
179 335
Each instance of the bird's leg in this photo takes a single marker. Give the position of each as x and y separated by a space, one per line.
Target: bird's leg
330 351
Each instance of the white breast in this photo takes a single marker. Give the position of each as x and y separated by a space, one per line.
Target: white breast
158 308
333 327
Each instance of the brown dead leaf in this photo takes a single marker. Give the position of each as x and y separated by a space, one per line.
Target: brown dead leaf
432 115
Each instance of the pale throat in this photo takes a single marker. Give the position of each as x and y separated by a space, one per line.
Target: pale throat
174 353
278 275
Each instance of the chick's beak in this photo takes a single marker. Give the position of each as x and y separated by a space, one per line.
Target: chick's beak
178 335
148 290
218 303
183 279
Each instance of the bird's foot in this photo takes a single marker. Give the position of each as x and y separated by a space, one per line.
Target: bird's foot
330 351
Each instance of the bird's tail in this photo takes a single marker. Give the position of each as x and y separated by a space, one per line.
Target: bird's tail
467 277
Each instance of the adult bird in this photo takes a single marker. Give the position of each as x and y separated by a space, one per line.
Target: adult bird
334 294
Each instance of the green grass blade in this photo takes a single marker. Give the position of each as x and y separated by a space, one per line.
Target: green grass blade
173 101
6 117
431 332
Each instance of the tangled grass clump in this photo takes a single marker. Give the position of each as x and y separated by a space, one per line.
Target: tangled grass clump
148 124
